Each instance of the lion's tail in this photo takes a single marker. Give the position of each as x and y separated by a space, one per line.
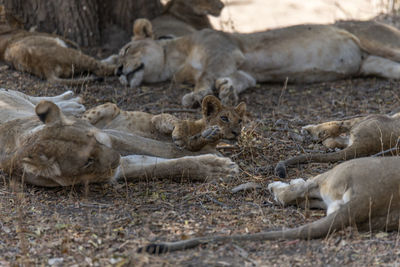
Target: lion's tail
318 229
345 154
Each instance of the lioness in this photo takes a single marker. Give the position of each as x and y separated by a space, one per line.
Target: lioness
233 62
47 56
218 122
182 17
47 148
357 137
362 192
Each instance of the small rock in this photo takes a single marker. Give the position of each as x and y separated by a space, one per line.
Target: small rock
55 261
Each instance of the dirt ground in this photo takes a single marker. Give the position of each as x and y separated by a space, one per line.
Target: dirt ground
104 225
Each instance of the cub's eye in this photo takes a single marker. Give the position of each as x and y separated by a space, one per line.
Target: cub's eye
224 118
89 162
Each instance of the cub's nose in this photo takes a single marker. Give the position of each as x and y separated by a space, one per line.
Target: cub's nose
119 70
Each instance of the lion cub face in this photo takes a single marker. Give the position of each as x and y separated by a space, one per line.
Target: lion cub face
66 151
228 119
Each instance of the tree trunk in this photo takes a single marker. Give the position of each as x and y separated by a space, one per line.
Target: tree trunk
87 22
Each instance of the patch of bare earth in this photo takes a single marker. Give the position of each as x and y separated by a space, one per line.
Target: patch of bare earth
105 224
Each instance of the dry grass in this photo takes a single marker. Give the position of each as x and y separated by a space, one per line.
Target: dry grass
105 224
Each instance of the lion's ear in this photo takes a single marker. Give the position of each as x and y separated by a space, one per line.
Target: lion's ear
48 112
142 29
241 109
210 106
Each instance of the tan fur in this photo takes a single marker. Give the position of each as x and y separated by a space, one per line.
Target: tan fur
182 17
218 122
231 62
42 146
362 192
357 137
47 56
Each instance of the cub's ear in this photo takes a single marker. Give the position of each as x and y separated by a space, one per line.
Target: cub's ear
142 29
48 112
210 106
241 109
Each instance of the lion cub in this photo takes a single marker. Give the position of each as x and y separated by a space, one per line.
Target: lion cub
357 137
46 56
218 122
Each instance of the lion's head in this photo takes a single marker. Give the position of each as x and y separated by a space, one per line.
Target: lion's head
143 58
65 151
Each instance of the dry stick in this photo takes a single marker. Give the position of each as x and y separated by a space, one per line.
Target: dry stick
385 151
369 215
283 91
388 213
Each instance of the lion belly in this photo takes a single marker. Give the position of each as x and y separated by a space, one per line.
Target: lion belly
304 54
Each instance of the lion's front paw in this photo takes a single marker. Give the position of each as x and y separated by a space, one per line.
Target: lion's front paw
313 131
191 100
212 134
179 142
227 91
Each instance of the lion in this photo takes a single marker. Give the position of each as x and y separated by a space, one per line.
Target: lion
48 56
218 122
182 17
44 146
357 137
362 192
232 62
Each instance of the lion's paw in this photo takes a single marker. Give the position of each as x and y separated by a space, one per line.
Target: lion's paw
312 131
216 166
227 91
308 129
276 188
212 133
191 100
179 142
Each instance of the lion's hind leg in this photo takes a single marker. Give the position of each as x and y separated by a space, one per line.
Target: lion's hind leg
67 102
379 66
